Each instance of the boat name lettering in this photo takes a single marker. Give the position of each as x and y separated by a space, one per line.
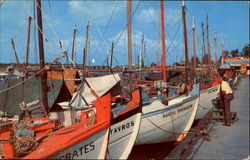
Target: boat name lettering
79 152
184 108
168 114
122 127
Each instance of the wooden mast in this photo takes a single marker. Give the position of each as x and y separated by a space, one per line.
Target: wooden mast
111 57
27 42
203 41
73 45
14 51
194 45
129 34
86 47
163 61
185 41
222 51
141 53
215 49
208 44
140 62
43 75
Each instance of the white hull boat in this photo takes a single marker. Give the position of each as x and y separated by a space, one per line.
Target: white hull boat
126 115
122 137
205 104
167 123
95 147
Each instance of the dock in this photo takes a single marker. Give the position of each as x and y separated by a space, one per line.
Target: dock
212 140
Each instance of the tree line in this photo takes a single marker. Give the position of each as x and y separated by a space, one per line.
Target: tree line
245 52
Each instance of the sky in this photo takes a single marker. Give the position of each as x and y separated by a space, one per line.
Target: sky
108 21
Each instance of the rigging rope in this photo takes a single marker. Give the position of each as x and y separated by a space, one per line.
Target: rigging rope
46 39
99 32
106 27
46 67
174 38
185 132
19 30
126 25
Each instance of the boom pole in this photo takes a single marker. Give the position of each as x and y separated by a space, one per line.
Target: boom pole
14 51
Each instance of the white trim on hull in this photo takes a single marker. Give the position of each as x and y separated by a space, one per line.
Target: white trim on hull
122 137
95 147
205 103
166 123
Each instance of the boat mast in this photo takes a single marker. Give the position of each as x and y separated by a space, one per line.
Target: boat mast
163 61
43 75
203 41
86 47
129 34
27 42
111 57
208 44
222 51
14 51
194 45
215 49
73 45
141 63
141 53
185 41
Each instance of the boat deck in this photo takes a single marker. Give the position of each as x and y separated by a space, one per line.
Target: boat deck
222 142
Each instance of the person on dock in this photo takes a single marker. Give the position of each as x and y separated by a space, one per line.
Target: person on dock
227 96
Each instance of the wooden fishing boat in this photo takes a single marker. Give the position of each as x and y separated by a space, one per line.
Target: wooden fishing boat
126 112
205 103
166 117
166 120
124 127
67 75
41 133
61 135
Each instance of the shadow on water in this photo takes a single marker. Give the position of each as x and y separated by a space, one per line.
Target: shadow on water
151 151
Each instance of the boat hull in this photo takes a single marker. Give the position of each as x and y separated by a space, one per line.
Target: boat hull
94 147
167 123
123 135
205 103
